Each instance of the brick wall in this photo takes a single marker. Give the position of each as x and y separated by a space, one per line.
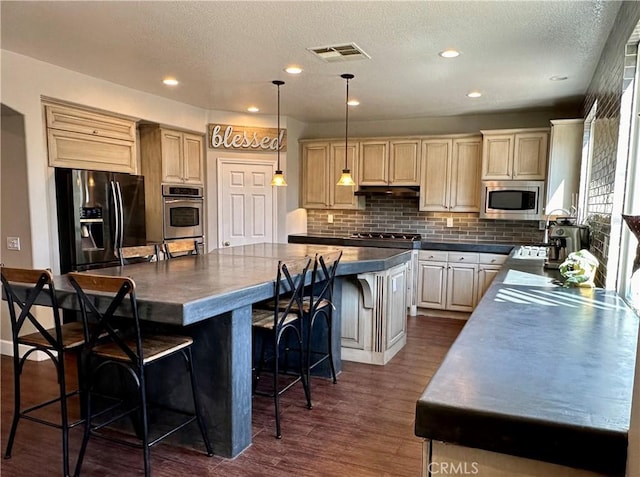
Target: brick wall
402 215
615 72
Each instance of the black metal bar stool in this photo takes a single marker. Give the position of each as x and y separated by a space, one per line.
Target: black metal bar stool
317 305
54 342
274 326
104 301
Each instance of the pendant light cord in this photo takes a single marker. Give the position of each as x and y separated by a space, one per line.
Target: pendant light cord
346 126
346 76
278 83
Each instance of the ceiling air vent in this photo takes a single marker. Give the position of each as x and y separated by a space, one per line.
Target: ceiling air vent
333 53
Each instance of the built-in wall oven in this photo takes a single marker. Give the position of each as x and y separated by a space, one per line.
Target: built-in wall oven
183 211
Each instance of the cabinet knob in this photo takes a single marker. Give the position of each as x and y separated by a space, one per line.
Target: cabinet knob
95 131
461 258
226 243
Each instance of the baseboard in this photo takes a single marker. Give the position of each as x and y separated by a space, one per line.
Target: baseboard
6 348
456 315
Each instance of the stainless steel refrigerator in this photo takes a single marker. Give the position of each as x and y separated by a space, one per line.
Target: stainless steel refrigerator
97 213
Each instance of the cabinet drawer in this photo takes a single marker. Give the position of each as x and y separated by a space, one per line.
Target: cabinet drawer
463 257
492 258
86 122
433 255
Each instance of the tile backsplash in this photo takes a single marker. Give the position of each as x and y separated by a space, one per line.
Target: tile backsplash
389 214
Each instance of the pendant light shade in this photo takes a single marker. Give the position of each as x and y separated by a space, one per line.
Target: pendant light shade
345 178
278 177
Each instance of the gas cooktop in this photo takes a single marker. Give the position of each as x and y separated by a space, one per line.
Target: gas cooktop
385 239
387 236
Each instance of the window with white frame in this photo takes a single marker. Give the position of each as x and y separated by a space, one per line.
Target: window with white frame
628 284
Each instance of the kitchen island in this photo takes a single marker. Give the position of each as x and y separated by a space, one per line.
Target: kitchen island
210 298
539 382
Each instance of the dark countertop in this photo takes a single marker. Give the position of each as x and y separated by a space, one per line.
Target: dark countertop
424 244
186 290
538 371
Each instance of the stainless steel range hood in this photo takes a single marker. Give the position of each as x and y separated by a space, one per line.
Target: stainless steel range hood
388 191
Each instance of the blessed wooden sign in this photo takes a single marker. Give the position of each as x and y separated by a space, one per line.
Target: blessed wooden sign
226 136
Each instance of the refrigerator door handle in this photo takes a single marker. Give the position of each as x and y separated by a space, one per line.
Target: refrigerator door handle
116 205
121 213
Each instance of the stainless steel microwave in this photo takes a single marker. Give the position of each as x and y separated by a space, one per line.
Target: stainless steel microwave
512 200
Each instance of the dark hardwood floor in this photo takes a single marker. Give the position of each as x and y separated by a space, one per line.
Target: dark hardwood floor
362 426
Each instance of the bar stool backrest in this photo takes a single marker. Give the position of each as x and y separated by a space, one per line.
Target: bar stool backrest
42 290
290 281
324 270
181 248
148 253
99 316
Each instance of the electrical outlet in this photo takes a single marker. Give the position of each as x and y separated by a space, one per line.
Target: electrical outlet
13 243
449 221
330 218
542 225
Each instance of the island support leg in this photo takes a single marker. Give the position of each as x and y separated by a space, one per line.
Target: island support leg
222 356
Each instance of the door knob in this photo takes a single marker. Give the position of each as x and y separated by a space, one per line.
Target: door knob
226 243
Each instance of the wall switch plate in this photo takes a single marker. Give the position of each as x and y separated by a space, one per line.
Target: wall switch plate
13 243
449 221
330 218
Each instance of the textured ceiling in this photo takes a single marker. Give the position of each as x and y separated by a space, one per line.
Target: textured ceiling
226 54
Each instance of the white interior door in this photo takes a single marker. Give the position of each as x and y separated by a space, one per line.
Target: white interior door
246 202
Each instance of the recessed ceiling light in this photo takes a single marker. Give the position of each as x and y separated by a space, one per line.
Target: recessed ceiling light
253 109
558 78
170 81
449 53
474 94
293 70
353 102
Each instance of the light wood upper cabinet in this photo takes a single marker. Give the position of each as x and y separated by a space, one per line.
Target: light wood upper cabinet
322 164
466 162
515 154
394 162
374 162
404 162
315 175
450 179
563 173
436 166
497 157
172 156
82 139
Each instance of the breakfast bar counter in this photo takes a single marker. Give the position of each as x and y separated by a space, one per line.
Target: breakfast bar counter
539 382
210 298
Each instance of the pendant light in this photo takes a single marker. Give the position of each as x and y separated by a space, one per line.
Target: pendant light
278 177
345 178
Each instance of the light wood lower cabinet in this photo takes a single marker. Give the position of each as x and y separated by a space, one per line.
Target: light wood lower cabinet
462 282
454 281
374 315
